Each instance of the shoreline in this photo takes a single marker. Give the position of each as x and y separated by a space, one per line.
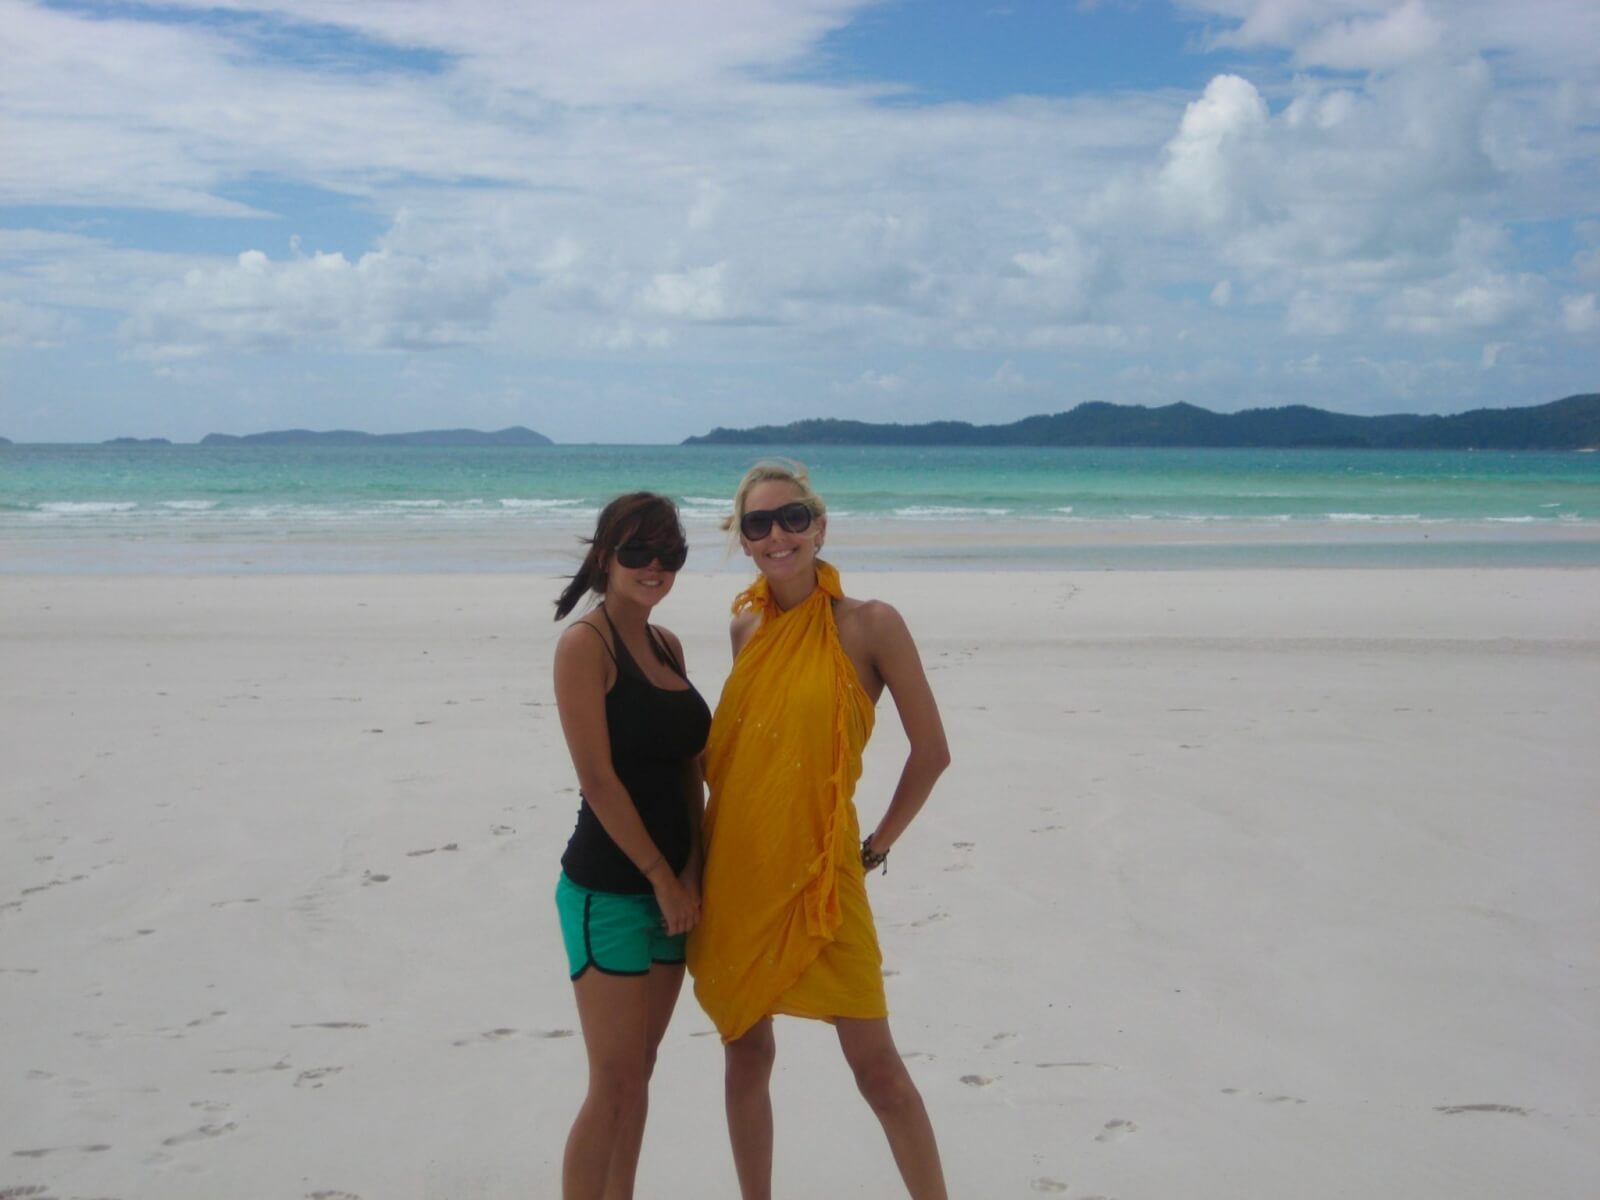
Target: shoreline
995 544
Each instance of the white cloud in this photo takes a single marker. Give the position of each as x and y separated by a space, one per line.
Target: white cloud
1467 302
1209 164
1379 42
1320 314
1222 294
1580 315
380 301
26 326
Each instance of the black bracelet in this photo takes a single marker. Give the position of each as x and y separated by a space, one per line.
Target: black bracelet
871 859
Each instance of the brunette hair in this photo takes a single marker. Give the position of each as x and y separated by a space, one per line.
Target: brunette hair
782 470
642 515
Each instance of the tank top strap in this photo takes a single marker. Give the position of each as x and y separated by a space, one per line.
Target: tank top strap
664 652
606 646
620 653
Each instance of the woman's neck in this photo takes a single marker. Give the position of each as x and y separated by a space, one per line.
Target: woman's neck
790 592
626 615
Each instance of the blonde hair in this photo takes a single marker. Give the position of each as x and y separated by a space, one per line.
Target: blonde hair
770 470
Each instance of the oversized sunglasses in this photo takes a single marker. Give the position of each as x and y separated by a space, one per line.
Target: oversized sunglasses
671 555
795 517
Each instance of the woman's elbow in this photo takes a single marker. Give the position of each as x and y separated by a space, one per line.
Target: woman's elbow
934 758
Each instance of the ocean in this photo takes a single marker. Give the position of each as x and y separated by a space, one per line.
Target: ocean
104 508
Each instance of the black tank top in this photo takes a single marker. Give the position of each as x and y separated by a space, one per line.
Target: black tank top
655 734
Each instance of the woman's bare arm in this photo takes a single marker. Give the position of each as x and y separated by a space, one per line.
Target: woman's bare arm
898 664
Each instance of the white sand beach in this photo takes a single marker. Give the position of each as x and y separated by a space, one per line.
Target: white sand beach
1246 883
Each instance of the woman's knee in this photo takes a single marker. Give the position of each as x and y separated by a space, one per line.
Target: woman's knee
619 1087
750 1058
885 1083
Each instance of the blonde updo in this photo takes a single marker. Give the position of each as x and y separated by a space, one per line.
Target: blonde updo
769 470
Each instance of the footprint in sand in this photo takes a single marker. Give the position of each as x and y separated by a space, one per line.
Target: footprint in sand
976 1080
314 1077
492 1035
277 1066
332 1196
1265 1097
1115 1130
42 1152
22 1192
1452 1110
1048 1185
204 1133
331 1025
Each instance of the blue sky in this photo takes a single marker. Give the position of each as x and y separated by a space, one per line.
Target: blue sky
629 220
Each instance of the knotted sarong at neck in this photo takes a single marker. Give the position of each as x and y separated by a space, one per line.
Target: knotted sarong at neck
785 924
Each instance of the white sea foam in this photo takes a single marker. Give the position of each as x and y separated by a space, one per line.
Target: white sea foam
1345 516
412 503
189 505
514 503
87 508
946 512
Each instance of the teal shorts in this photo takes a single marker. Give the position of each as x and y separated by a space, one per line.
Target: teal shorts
612 932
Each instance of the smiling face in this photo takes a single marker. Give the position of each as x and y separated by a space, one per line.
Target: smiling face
645 585
782 555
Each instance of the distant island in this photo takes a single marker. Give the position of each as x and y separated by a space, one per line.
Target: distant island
133 441
516 435
1570 424
5 441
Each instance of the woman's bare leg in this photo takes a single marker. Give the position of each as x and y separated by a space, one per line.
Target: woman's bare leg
662 985
614 1013
887 1086
748 1094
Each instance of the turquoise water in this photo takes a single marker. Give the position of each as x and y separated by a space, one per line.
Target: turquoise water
120 497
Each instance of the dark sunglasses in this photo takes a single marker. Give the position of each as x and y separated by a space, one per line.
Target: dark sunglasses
795 517
671 555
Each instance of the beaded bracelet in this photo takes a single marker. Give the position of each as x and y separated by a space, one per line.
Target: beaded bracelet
870 858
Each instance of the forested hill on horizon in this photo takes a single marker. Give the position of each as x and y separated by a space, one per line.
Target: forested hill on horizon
1569 424
516 435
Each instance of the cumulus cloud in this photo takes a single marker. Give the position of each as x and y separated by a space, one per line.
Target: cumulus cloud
27 326
1378 42
1212 163
1580 315
1467 302
380 301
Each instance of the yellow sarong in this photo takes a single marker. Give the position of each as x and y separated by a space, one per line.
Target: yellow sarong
785 926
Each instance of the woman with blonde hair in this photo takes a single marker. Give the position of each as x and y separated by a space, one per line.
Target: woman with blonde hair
786 926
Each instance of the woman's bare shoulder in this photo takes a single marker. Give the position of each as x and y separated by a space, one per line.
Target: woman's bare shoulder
583 638
742 628
871 616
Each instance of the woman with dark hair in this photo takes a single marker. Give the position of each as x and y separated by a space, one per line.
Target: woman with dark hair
630 883
788 928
